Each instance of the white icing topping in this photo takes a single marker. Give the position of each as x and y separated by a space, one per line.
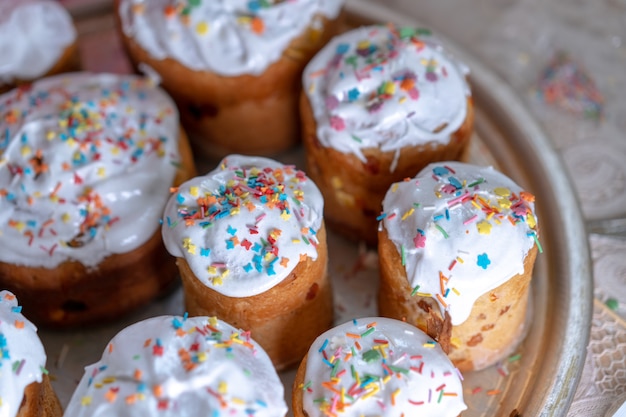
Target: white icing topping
229 37
22 356
33 36
384 367
172 366
86 162
463 228
385 87
243 227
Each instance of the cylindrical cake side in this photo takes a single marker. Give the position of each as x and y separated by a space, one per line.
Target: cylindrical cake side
285 319
354 189
496 323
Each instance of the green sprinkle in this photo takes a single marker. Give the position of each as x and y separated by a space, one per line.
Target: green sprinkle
612 304
333 373
398 369
534 235
368 332
415 290
306 386
371 355
515 357
443 232
403 253
416 205
440 396
475 183
356 138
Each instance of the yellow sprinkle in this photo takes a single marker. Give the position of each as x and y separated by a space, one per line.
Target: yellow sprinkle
239 401
456 291
222 387
402 99
85 401
312 88
235 211
423 294
217 281
212 270
26 151
363 44
202 28
51 135
504 203
390 88
531 220
285 215
108 380
458 258
193 191
201 356
455 342
408 213
336 182
502 192
115 151
213 321
394 187
101 172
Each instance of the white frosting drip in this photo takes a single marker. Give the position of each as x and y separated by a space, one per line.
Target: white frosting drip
229 37
385 87
33 36
243 227
172 366
22 356
394 370
466 234
86 162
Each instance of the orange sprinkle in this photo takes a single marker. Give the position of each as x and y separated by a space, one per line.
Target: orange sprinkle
169 11
257 25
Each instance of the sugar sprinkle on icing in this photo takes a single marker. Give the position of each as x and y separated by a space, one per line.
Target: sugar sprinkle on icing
231 38
180 366
385 87
244 226
22 355
86 161
379 366
470 233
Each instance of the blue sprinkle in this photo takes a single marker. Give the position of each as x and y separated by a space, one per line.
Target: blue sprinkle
440 171
342 48
483 261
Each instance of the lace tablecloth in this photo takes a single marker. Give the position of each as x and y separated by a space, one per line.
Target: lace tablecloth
567 60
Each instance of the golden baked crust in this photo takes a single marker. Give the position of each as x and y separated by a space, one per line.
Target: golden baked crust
296 390
353 190
247 114
495 325
285 319
68 62
40 400
73 295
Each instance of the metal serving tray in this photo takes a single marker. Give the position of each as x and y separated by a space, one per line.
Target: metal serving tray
541 378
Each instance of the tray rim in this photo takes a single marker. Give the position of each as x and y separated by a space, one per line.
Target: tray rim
577 300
